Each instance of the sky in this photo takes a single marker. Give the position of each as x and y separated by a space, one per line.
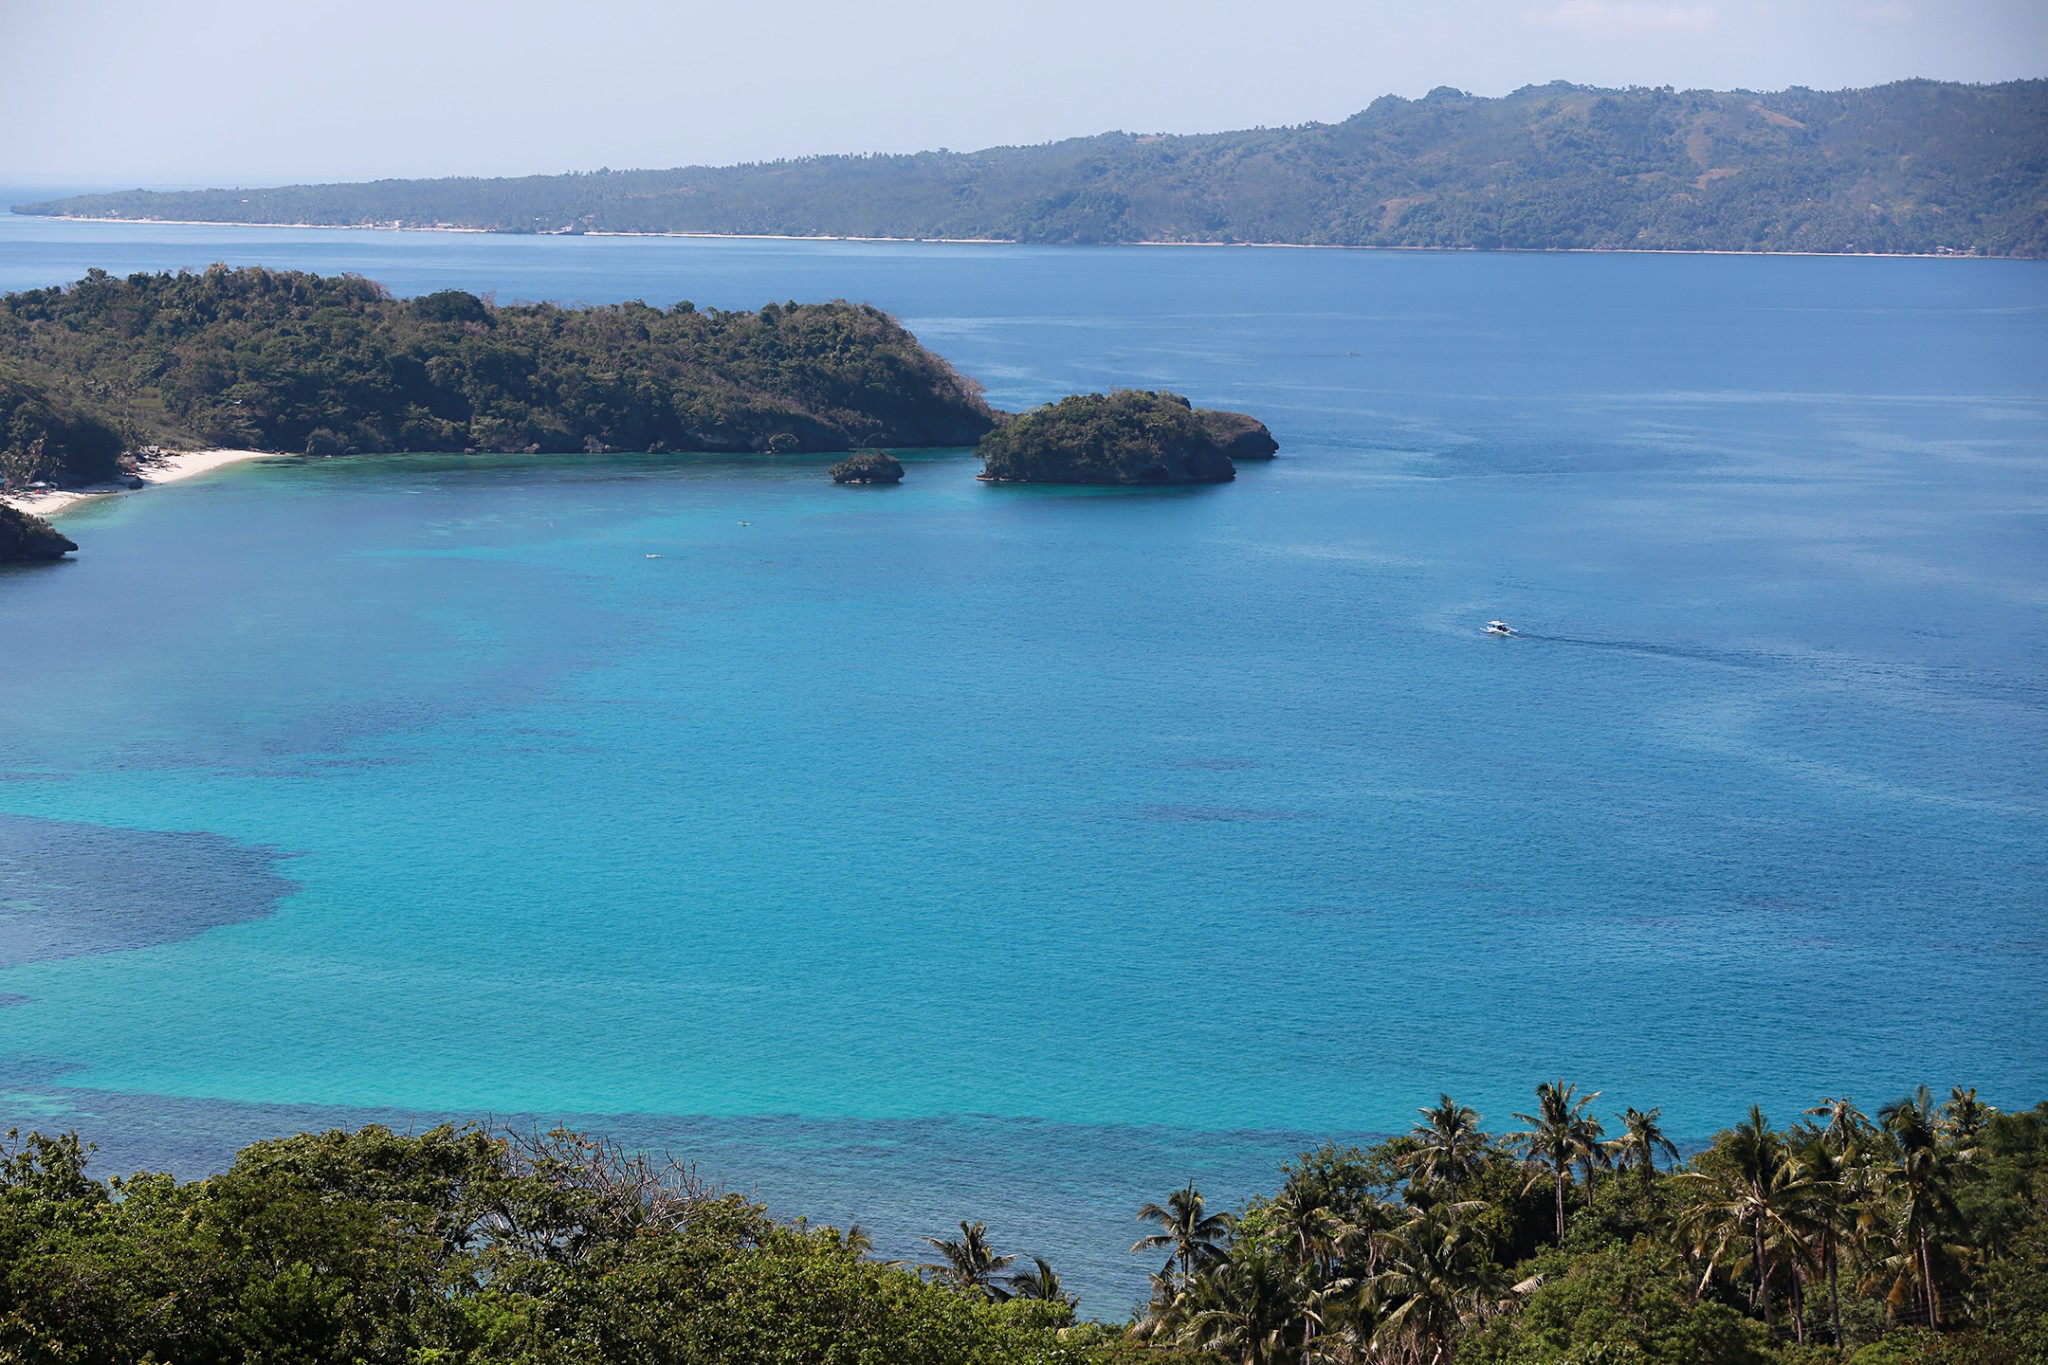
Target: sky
111 93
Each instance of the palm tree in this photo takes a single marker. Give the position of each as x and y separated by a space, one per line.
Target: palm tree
1452 1145
1595 1158
970 1264
1560 1134
1965 1116
1041 1282
1363 1231
1846 1127
1437 1275
1165 1313
1753 1195
1920 1203
1302 1216
1247 1307
1642 1137
1193 1235
1834 1204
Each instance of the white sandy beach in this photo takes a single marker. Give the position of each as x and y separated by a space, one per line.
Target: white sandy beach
163 469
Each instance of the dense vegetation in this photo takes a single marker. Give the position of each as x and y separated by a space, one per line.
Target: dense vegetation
1916 166
457 1246
24 536
280 360
1917 1236
46 439
1132 436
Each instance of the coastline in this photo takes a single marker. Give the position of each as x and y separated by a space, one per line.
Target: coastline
166 469
1007 241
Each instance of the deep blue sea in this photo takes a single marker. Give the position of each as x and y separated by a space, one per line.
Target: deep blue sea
945 851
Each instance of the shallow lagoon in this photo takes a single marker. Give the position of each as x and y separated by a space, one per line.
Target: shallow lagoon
947 850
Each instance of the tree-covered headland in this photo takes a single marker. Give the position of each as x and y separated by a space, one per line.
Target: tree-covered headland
1915 166
25 536
1913 1233
293 362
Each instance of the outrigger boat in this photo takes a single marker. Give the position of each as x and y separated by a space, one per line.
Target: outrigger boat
1499 628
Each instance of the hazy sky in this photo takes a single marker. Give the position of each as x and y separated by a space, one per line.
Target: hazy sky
259 91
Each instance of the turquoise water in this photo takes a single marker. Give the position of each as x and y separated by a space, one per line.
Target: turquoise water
948 850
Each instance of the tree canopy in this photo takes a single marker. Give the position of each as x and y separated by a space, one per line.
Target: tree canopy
459 1245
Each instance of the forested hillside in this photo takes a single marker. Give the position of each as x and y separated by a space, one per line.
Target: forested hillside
42 437
1917 166
286 361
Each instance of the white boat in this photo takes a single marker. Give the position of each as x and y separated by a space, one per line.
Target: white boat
1499 628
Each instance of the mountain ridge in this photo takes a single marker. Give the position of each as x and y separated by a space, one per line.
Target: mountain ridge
1914 167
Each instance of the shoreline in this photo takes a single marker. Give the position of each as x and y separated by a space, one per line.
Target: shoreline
1007 241
168 469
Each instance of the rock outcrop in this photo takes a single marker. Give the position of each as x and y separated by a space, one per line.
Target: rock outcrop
24 536
1242 436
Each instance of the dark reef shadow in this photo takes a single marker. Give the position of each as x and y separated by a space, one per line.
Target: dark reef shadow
73 890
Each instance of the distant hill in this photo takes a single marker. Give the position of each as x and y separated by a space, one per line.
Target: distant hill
1917 166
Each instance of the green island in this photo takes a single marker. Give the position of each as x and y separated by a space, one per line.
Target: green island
1131 436
1919 166
868 467
1917 1234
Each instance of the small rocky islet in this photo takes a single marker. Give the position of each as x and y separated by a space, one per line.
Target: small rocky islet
868 467
1131 436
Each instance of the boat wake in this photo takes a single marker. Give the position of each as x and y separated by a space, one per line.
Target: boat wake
1691 653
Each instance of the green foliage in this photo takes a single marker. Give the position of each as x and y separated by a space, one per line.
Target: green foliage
1915 166
281 360
1131 436
1917 1346
457 1246
1624 1303
48 438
